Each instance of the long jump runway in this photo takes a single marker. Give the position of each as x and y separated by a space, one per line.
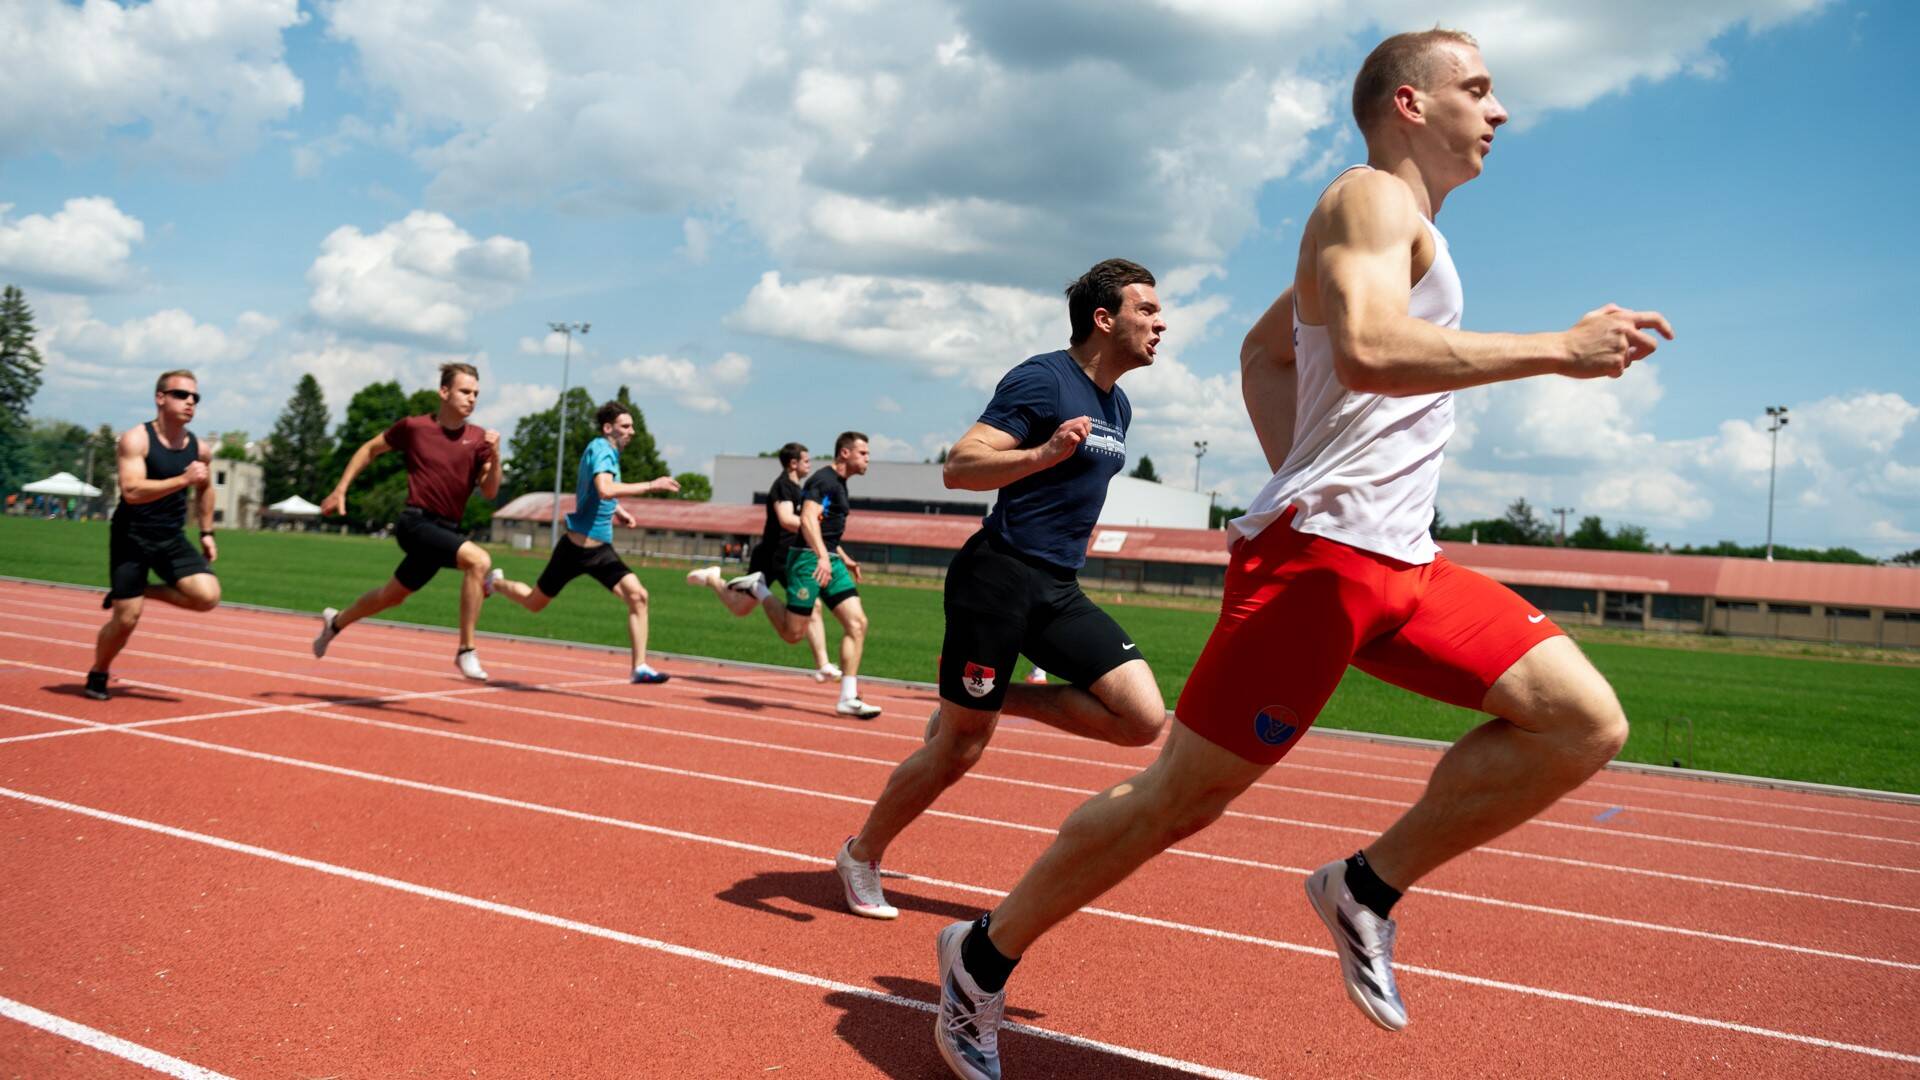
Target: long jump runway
254 864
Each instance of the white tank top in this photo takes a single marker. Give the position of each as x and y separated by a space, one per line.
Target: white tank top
1364 468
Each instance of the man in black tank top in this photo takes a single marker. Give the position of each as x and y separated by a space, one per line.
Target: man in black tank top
158 462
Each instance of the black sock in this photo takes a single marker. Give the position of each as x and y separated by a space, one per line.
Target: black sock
1366 886
984 962
463 650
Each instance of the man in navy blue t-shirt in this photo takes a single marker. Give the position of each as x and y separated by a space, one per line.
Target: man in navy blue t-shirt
1052 437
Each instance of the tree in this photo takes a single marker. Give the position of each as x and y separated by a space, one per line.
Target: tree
233 446
1907 558
1525 526
380 491
694 487
1591 534
1144 470
530 451
19 382
298 452
103 462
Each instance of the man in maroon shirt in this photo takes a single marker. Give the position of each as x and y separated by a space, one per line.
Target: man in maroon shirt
446 459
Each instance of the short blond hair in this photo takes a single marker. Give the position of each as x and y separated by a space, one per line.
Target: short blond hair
1401 60
160 384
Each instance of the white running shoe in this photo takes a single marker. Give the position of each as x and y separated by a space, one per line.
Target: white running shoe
493 578
853 706
967 1027
745 582
1365 944
326 635
468 662
828 671
861 880
704 577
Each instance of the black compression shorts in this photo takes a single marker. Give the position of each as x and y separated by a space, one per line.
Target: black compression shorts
570 560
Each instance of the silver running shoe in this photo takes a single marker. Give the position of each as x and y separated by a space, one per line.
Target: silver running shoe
326 635
1365 944
967 1029
861 880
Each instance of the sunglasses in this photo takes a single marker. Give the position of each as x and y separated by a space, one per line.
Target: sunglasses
183 395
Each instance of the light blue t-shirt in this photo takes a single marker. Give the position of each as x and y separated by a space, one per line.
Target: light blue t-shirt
592 515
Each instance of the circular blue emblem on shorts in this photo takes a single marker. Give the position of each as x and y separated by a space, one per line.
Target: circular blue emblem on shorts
1275 724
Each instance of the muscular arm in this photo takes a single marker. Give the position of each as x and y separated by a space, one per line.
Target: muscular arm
203 491
784 513
336 500
1269 381
810 533
607 488
490 479
988 459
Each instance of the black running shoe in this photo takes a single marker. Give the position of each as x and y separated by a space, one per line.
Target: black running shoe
97 685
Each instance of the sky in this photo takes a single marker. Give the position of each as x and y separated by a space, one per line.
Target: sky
785 220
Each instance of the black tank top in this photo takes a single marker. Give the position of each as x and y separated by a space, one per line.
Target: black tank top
169 512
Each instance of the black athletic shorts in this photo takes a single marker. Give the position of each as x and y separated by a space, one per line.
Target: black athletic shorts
570 560
1001 603
771 560
132 552
432 544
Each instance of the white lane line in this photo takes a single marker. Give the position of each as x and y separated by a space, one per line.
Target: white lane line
96 1039
1297 871
535 748
605 933
743 681
997 778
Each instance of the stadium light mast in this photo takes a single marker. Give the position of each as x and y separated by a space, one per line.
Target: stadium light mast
560 431
1563 511
1776 419
1199 451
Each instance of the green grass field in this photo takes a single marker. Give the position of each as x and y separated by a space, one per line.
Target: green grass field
1825 720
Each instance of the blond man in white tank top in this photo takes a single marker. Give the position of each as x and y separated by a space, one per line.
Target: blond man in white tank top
1333 564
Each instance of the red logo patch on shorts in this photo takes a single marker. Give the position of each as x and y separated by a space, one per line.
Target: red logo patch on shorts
978 679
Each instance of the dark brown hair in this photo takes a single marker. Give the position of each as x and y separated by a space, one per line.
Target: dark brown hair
1401 60
448 371
1100 288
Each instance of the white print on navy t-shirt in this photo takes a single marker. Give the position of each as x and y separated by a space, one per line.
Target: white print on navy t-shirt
1107 439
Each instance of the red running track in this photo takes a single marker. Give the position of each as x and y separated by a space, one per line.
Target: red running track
252 863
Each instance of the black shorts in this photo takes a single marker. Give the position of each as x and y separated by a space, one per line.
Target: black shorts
771 560
432 544
132 552
570 560
1000 604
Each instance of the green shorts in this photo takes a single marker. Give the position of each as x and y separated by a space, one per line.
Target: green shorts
802 589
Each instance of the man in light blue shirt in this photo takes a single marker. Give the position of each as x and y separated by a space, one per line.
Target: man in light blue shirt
587 546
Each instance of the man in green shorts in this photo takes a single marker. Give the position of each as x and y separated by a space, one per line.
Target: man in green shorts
819 570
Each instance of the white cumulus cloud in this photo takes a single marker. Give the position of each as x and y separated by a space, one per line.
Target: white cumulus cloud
419 279
82 247
704 389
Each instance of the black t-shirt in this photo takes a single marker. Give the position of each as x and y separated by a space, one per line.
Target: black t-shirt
826 488
1050 514
774 538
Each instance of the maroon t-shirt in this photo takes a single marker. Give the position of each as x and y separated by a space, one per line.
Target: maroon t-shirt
443 467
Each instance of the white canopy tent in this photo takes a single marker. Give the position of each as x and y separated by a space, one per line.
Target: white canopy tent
294 506
63 484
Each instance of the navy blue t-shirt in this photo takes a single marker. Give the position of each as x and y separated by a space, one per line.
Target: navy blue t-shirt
1050 514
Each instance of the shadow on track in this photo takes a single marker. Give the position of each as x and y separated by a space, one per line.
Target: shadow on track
810 891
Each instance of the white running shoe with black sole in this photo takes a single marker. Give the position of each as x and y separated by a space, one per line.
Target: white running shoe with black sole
468 662
853 706
1365 944
967 1028
326 635
861 881
745 582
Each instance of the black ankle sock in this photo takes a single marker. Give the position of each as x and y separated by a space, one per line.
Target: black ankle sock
463 649
1366 886
984 962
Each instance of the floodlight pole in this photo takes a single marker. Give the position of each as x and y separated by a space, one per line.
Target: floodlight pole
560 431
1563 511
1199 451
1776 419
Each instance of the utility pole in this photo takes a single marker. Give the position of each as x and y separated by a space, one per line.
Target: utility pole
560 432
1776 419
1563 511
1199 451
